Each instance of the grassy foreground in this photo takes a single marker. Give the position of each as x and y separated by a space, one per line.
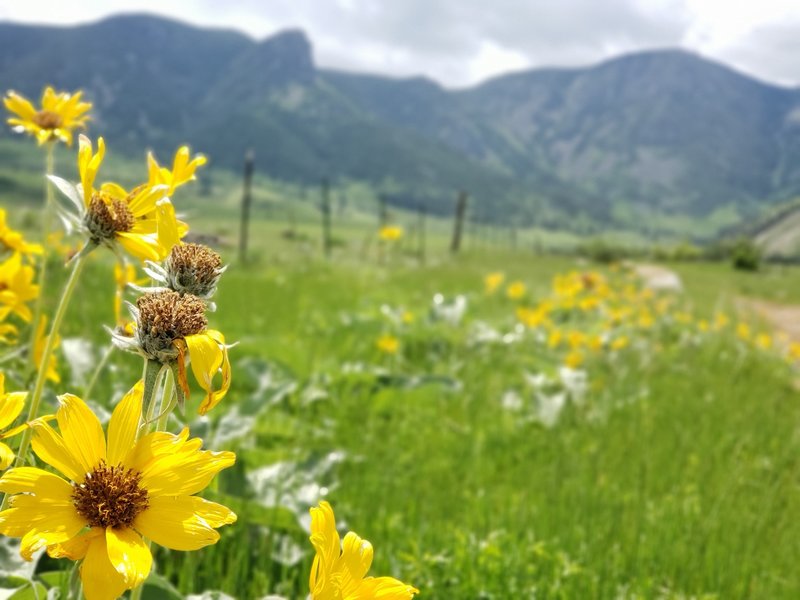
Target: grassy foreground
675 475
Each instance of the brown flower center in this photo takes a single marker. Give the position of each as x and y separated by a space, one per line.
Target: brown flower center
107 216
193 269
110 496
165 317
47 119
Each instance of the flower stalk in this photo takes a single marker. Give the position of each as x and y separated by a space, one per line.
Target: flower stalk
41 375
47 211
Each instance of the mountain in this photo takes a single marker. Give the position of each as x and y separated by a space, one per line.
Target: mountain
643 141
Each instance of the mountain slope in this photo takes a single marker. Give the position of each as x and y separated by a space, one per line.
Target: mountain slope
615 144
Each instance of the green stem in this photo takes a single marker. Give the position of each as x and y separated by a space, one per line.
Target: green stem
87 393
165 405
47 211
41 375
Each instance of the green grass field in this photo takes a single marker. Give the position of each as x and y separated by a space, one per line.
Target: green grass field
675 478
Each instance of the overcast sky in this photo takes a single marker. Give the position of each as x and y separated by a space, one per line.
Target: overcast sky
460 42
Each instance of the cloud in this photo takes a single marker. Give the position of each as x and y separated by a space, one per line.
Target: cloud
461 42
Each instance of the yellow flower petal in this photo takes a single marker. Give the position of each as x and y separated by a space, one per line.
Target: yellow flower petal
129 554
6 456
143 247
356 555
10 407
385 588
187 471
171 522
82 431
123 425
168 233
51 448
30 480
77 547
209 355
100 579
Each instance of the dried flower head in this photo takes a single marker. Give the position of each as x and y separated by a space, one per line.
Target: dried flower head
193 269
165 317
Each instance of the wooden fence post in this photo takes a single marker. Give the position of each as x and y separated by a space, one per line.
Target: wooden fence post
326 218
461 208
247 200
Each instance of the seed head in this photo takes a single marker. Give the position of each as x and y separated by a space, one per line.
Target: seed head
193 269
106 217
165 317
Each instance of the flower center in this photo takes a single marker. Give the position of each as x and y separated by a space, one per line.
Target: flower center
47 119
110 496
107 216
165 317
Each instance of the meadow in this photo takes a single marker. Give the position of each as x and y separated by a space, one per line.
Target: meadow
499 423
674 476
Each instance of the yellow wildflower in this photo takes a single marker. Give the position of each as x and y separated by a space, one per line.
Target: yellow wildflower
794 352
743 331
532 317
721 321
58 116
574 359
390 233
407 317
13 240
171 327
516 290
554 338
142 222
8 331
492 281
38 351
388 344
619 343
339 568
183 169
763 341
113 492
702 325
11 405
17 287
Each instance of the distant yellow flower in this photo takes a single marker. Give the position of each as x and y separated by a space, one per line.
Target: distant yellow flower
390 233
183 169
11 405
532 317
493 281
764 341
17 287
576 339
388 344
619 343
574 359
38 351
407 317
339 568
721 321
594 343
702 325
13 240
58 116
794 352
516 290
8 331
554 338
743 331
646 320
113 493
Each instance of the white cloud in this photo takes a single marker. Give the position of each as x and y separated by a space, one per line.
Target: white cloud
460 42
